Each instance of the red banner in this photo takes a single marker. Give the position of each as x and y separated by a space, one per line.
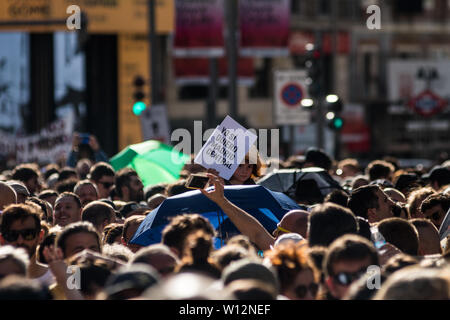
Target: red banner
199 28
264 27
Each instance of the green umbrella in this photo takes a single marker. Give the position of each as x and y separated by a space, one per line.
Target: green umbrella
154 161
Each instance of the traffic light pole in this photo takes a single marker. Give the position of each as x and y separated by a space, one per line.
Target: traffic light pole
154 85
212 98
232 57
320 104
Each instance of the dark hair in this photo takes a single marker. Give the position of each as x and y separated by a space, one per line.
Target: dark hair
177 188
21 288
115 230
123 179
308 192
337 196
97 212
397 262
319 158
434 200
101 169
401 233
84 183
349 248
379 169
66 185
24 172
67 173
422 223
93 275
175 233
49 240
41 204
317 255
196 254
363 199
155 189
328 222
45 194
69 194
227 254
50 169
20 212
74 228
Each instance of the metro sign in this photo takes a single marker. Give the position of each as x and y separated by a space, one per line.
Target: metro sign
427 103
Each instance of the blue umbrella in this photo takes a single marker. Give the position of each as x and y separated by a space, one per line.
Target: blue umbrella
267 206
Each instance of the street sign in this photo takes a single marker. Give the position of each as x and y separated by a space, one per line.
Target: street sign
427 103
155 124
290 90
292 94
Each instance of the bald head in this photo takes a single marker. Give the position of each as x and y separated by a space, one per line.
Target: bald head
7 195
296 221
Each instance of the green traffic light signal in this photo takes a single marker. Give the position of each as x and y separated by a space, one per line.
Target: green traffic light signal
139 107
338 123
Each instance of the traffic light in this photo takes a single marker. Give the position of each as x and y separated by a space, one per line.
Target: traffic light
138 96
314 70
334 109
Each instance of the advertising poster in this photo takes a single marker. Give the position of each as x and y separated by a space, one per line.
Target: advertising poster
199 27
264 27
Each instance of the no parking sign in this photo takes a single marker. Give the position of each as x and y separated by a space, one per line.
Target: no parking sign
290 90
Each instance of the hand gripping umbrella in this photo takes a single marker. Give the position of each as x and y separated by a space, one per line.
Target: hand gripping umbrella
266 206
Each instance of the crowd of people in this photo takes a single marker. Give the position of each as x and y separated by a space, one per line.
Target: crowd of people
65 234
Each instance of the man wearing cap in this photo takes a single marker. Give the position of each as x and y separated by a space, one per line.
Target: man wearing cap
438 177
7 195
21 191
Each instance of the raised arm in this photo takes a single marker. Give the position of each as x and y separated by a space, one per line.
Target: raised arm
245 222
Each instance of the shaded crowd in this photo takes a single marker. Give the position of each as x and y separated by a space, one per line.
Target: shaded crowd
65 234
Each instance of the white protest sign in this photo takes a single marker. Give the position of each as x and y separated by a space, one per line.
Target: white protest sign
49 145
155 124
226 148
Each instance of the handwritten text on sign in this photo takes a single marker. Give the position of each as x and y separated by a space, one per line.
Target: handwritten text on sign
226 148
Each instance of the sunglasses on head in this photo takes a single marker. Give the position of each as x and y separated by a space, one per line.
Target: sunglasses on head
346 278
27 234
301 291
